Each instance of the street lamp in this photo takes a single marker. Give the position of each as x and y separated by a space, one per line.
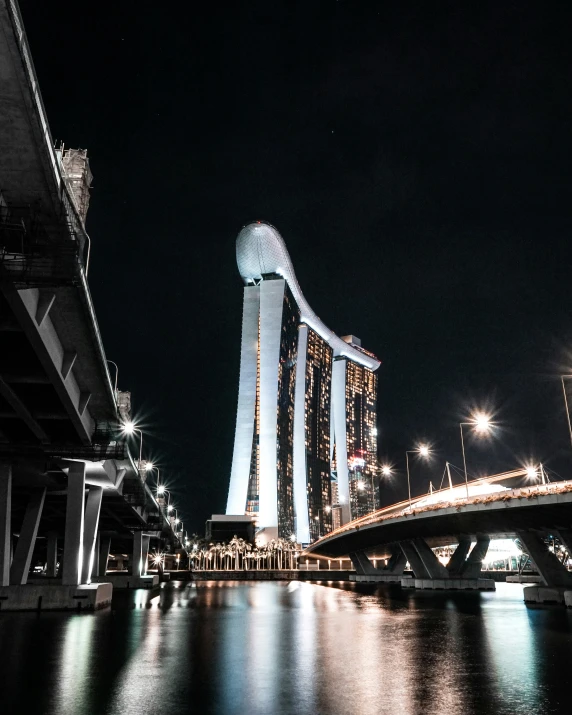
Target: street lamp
129 428
386 470
481 423
567 377
423 451
116 376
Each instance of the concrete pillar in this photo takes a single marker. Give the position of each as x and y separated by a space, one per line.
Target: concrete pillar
415 562
457 560
136 560
433 566
473 565
397 561
5 522
73 537
144 553
52 558
27 539
553 573
362 564
91 521
104 548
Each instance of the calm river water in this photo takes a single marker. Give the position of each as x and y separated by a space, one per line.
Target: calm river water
263 648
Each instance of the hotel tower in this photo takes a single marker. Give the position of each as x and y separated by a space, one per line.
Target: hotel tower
305 449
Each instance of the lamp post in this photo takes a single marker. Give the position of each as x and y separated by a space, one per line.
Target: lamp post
481 423
423 451
116 376
129 428
567 377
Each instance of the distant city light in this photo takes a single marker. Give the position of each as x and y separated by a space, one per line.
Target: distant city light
328 509
361 486
293 538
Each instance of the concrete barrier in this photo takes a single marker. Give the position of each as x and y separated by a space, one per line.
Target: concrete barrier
544 594
125 580
50 597
449 584
378 578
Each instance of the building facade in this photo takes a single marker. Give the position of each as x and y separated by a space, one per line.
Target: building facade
305 450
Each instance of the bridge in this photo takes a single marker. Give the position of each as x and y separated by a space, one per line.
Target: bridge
67 479
486 508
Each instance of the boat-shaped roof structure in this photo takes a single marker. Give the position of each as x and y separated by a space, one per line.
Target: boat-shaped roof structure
261 251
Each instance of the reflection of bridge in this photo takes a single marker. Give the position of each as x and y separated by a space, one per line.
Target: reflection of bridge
65 477
493 509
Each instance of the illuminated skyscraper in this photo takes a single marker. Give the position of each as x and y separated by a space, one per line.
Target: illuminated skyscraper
307 401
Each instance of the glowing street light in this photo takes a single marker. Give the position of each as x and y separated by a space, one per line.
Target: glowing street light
160 489
531 472
481 423
386 470
422 450
129 428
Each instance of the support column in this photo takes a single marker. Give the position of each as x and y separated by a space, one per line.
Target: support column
73 537
433 566
553 573
362 564
104 548
144 553
397 562
415 562
136 560
27 539
91 521
52 558
473 565
5 522
457 560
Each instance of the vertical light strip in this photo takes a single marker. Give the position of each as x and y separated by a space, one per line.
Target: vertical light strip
271 308
238 489
300 475
340 429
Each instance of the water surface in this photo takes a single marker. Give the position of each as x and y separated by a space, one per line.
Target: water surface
261 648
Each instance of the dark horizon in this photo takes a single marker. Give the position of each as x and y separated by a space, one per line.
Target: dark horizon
414 160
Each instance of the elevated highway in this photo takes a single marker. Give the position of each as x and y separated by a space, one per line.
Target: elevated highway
402 533
66 475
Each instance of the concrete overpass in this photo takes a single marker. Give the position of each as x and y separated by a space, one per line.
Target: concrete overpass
66 475
402 534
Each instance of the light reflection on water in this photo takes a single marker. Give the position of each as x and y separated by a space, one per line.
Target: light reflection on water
261 648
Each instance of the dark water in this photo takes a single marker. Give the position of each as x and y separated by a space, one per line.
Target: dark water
265 648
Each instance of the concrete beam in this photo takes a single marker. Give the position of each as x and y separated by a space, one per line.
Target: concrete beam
5 522
414 561
45 302
433 566
362 564
474 564
27 539
457 560
73 539
554 574
397 562
91 522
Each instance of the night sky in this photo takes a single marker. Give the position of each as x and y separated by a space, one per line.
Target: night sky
415 158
